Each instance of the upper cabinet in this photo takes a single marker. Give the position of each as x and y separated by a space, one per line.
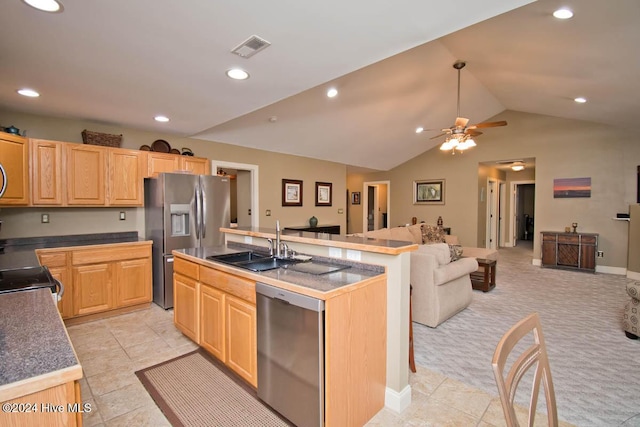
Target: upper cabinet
14 174
126 177
165 162
46 172
86 165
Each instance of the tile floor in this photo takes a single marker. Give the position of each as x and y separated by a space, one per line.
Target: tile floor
111 350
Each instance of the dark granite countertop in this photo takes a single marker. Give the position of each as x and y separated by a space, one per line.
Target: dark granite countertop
33 339
323 283
20 252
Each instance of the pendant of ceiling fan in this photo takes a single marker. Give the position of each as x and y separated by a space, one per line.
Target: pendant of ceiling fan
460 127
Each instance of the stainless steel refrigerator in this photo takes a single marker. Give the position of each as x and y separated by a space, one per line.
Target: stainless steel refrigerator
182 211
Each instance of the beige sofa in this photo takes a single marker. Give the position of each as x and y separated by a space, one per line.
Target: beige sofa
441 287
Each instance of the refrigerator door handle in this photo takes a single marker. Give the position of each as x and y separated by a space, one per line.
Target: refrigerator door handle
197 203
203 199
4 180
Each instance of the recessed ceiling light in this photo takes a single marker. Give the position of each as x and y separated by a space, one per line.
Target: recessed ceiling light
580 100
52 6
237 74
563 13
331 93
419 129
162 119
28 92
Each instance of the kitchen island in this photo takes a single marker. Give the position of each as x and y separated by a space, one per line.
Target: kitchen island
372 331
39 370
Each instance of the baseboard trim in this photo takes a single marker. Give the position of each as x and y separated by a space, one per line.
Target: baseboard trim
633 275
395 401
621 271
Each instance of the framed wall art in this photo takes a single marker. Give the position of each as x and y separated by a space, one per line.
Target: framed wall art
428 192
291 192
323 193
571 187
355 198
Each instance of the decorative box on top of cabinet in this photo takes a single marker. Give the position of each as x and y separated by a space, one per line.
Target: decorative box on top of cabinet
575 251
14 158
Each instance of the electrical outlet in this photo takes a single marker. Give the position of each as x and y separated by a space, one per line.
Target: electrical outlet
600 254
45 218
340 211
354 255
268 213
123 216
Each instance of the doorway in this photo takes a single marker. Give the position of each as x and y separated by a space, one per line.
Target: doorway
244 191
523 202
376 201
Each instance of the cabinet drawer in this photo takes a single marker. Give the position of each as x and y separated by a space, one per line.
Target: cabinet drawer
57 259
565 238
589 240
549 237
92 256
186 268
234 285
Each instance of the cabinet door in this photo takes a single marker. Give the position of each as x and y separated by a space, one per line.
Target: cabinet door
86 174
212 326
14 157
195 165
46 172
162 162
133 282
242 349
125 178
185 306
93 288
65 305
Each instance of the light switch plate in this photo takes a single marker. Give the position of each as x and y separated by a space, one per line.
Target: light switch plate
45 218
123 216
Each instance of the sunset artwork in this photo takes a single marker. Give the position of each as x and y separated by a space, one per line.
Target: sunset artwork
571 187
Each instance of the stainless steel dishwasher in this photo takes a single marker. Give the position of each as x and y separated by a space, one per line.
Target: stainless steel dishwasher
291 354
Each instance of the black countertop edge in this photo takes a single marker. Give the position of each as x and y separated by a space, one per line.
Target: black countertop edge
72 239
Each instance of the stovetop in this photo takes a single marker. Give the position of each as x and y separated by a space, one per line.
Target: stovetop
16 279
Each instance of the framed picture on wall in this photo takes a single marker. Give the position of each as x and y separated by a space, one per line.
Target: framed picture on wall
355 198
323 193
428 192
291 192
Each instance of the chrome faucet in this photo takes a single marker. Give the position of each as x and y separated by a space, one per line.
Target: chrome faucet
270 241
278 249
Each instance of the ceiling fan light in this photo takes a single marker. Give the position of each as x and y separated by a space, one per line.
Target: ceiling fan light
470 143
449 144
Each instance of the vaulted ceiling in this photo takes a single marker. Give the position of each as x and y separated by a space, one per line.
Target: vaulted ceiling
121 63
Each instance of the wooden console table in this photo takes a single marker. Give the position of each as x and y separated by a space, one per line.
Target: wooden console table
575 251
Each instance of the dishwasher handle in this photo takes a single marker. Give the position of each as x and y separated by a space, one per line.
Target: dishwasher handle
288 297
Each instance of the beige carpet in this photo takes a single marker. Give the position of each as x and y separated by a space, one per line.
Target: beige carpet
197 390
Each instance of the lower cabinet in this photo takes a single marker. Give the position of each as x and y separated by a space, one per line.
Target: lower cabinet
217 310
100 278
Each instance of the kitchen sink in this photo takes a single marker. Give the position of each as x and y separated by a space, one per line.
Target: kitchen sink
252 261
238 257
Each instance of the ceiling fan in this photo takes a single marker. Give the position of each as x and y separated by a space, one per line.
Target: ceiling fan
460 136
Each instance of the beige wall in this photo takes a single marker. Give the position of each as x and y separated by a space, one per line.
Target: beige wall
273 167
562 149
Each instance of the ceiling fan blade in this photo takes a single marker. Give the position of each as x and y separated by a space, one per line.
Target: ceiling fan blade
462 122
438 136
472 132
488 124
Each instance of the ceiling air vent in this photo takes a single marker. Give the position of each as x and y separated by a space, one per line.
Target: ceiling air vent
251 46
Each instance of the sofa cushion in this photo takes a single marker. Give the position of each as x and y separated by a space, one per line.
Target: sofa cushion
456 252
401 233
382 234
453 270
432 234
439 250
416 232
485 253
452 240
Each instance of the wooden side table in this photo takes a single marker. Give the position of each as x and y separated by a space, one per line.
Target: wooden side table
485 278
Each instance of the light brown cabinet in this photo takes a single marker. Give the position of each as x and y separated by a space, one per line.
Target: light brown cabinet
576 251
100 278
46 172
126 178
165 162
85 174
14 159
241 338
212 321
186 305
